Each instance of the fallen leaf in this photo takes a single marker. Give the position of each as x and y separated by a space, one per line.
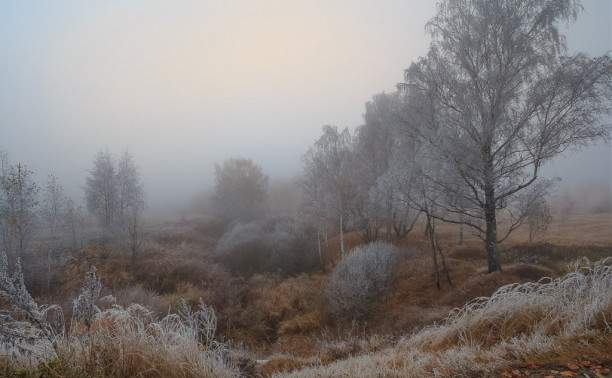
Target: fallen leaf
531 365
573 366
506 374
585 363
549 376
568 373
596 367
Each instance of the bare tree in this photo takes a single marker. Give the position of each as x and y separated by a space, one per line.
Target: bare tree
131 200
371 153
54 203
411 175
101 191
115 196
535 209
240 190
74 224
498 100
327 165
18 203
312 208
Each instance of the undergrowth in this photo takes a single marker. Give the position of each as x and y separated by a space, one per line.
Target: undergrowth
107 340
517 324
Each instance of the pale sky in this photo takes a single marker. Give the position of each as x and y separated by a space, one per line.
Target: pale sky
186 84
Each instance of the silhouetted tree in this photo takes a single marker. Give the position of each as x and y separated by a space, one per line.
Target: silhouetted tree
115 196
101 191
240 190
131 200
18 206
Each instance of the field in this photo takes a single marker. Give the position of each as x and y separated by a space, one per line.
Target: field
276 325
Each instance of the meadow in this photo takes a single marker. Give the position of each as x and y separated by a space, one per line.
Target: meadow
550 308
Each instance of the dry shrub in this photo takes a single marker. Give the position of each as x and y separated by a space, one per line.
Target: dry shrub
301 323
360 278
270 246
275 307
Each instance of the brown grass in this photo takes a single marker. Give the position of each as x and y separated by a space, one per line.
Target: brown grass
288 317
517 324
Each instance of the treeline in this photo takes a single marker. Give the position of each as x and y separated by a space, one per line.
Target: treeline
465 136
39 223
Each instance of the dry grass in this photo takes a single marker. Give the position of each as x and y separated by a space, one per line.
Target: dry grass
518 323
288 317
127 342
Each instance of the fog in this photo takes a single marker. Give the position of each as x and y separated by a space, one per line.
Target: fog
185 85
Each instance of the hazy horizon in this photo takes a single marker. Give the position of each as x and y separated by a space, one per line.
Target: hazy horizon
186 87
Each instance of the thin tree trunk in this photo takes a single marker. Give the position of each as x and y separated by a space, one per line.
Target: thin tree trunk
341 234
429 232
493 259
319 245
443 260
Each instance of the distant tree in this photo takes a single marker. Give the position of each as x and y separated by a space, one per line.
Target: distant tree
312 208
18 207
377 201
327 171
101 191
53 211
131 200
74 224
240 190
115 196
54 203
499 98
535 209
371 152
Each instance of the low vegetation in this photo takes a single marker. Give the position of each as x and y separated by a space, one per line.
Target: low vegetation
181 312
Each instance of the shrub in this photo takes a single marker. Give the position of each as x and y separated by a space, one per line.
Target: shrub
243 248
274 245
360 278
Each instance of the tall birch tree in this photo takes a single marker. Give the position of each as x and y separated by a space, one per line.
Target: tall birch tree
497 79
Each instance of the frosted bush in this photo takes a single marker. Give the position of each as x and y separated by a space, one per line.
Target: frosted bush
361 277
25 322
270 246
84 306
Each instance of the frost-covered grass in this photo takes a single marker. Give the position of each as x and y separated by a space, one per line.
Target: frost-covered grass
110 342
518 323
126 342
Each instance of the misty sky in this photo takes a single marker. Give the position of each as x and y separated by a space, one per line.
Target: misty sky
186 84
